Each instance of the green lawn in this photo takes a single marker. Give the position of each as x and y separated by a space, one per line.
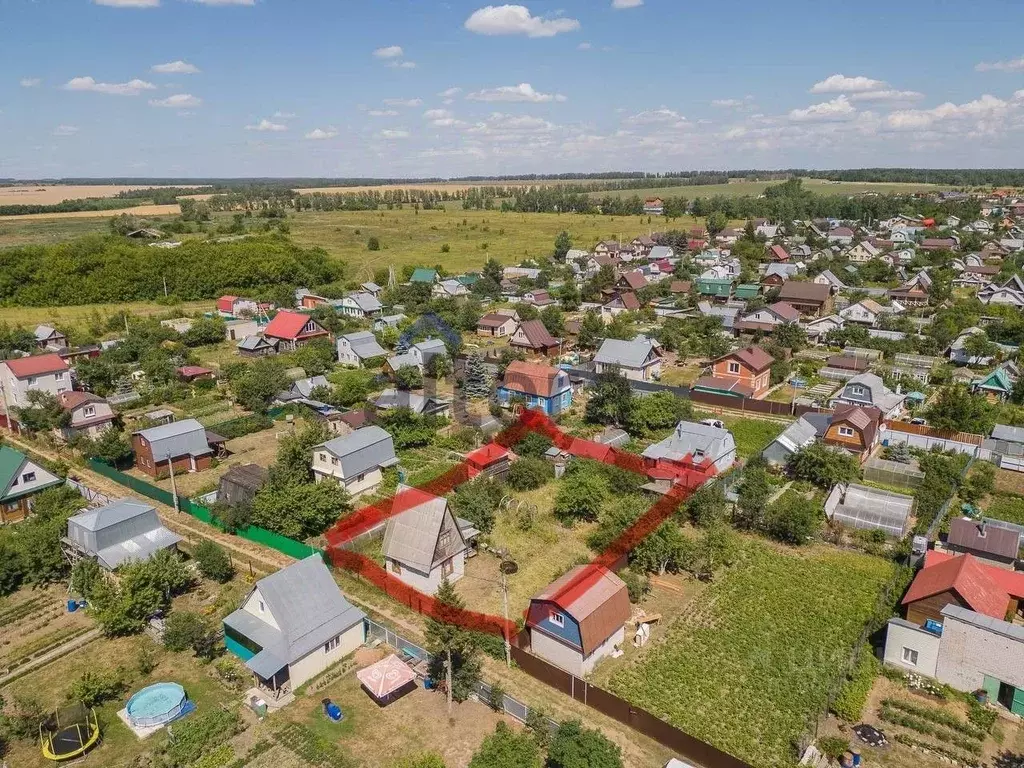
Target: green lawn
751 435
754 657
1008 508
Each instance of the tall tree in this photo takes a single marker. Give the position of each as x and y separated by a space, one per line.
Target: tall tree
574 746
562 245
454 649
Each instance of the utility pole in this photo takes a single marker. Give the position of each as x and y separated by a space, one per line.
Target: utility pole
174 487
507 568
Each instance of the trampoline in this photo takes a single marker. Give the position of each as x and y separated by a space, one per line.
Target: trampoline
156 704
69 732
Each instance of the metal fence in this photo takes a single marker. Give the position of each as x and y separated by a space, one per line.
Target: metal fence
511 707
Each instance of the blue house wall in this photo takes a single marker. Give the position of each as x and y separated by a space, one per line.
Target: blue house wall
540 617
549 405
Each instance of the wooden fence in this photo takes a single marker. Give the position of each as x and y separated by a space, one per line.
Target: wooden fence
941 434
685 746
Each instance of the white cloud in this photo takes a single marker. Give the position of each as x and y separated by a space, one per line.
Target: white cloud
388 133
128 3
449 95
584 47
30 82
516 20
389 52
131 88
983 110
521 92
403 102
284 115
620 4
65 130
319 134
844 84
837 110
1011 65
446 122
888 95
179 100
382 112
727 103
402 64
661 116
265 126
178 67
437 114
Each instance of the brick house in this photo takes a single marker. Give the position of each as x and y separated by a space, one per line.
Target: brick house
184 445
746 371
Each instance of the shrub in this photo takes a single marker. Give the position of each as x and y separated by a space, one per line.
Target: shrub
506 748
637 584
244 425
497 698
373 244
574 746
186 630
199 733
580 498
94 688
529 473
213 561
854 694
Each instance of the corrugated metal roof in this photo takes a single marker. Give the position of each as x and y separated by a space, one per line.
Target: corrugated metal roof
595 597
179 438
411 536
689 437
628 354
114 513
361 451
1007 433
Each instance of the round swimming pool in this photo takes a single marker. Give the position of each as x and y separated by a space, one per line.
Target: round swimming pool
156 704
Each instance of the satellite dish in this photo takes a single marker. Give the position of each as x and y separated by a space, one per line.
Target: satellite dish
508 567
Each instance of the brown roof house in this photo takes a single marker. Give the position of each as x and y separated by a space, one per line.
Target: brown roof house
534 337
89 415
856 429
743 373
579 619
991 540
767 319
497 324
809 298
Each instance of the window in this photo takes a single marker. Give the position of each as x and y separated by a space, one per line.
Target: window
845 432
698 454
58 376
557 619
89 411
857 391
323 457
445 539
331 644
28 477
910 656
447 567
359 479
334 461
734 367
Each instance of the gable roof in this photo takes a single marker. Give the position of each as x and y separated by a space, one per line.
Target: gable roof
114 513
595 597
968 578
864 419
255 341
778 252
179 438
366 302
74 398
628 354
286 325
990 539
362 450
537 335
36 365
493 320
364 344
532 379
634 279
787 312
307 606
411 536
814 292
691 436
44 332
754 358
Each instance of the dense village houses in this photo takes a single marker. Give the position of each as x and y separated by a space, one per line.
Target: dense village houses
290 330
356 461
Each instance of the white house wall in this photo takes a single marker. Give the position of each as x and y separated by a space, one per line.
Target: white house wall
970 653
316 661
901 634
252 606
556 652
605 649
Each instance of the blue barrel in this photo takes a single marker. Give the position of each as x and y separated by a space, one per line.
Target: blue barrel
72 606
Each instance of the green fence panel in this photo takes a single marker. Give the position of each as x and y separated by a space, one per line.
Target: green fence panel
282 544
133 483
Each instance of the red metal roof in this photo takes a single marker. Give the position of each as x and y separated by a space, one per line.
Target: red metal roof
966 576
1010 581
530 378
286 325
754 358
486 455
779 253
36 365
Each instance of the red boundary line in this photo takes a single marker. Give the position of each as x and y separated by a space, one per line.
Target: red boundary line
687 477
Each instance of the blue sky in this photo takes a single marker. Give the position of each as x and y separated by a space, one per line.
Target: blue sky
418 88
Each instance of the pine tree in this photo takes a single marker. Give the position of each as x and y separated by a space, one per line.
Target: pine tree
477 383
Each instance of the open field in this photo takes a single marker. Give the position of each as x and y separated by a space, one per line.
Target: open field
51 194
30 316
752 662
752 435
33 621
739 188
138 210
410 237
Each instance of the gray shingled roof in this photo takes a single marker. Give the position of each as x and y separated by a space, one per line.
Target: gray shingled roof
367 302
308 608
411 537
361 451
253 342
179 438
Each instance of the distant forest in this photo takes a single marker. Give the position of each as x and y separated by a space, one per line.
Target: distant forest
956 177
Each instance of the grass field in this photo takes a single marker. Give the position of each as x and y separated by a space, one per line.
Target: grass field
751 435
739 187
754 658
30 316
408 237
1008 508
22 230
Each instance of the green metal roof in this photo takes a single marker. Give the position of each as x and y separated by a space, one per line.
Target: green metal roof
715 286
468 279
715 390
423 275
10 462
996 380
747 290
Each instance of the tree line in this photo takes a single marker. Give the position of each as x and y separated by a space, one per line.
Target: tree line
101 269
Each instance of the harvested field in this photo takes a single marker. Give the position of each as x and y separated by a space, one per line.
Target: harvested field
32 621
51 194
137 210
